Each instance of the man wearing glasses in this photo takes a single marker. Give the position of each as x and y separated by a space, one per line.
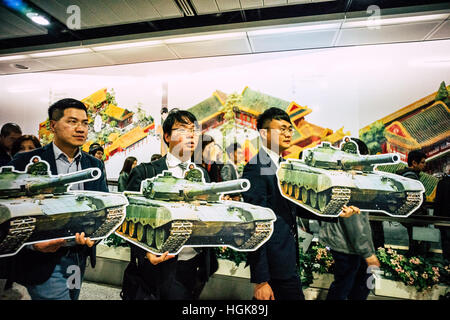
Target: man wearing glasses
43 267
273 267
169 277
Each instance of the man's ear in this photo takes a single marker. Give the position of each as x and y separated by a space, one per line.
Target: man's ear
52 125
166 138
263 133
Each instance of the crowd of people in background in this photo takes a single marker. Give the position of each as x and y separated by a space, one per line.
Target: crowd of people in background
351 238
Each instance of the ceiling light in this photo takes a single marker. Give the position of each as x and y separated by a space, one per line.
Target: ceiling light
312 27
218 36
59 53
390 21
127 45
16 57
37 18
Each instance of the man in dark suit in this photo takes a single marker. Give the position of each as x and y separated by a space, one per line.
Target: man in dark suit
42 267
9 133
180 277
273 267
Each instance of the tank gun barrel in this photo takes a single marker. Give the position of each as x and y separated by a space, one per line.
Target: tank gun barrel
370 160
91 173
220 187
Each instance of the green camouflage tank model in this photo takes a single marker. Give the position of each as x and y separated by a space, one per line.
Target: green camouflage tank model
37 207
328 178
172 212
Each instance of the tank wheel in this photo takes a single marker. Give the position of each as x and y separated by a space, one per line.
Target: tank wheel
161 235
297 193
284 186
322 200
150 235
304 193
290 189
140 232
131 229
124 226
312 198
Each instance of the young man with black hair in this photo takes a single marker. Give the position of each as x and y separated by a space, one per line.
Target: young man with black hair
9 133
416 164
44 266
274 266
169 277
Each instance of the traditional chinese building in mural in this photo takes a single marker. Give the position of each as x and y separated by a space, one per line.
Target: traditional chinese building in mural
210 114
423 125
122 117
427 130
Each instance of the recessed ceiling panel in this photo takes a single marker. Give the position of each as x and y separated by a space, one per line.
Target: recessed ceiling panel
210 48
385 34
292 40
443 32
205 6
141 54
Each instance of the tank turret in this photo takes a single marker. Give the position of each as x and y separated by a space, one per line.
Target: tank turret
328 178
37 207
15 184
173 212
327 157
167 187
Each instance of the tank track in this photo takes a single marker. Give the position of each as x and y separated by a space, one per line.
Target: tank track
413 200
262 231
19 232
339 198
179 234
114 216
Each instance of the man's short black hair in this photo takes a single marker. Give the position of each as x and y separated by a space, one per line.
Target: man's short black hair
415 155
269 115
233 147
93 150
9 128
56 110
176 115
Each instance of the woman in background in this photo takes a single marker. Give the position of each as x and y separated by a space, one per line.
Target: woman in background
25 143
128 165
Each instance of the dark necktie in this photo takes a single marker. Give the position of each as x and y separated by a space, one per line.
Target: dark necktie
183 166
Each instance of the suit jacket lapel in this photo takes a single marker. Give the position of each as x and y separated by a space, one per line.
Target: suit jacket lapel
160 165
49 156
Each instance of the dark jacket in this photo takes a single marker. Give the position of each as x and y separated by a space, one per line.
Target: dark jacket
408 173
163 274
278 257
350 235
33 267
123 181
4 157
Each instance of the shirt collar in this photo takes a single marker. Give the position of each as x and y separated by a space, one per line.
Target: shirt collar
273 155
172 161
58 153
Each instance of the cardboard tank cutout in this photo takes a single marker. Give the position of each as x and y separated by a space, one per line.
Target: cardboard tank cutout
171 213
327 178
36 207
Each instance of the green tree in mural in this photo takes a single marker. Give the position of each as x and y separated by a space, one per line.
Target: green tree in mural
231 104
374 137
443 94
